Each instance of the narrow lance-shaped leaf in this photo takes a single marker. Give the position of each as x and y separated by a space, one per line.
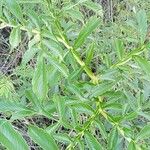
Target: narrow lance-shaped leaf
119 47
15 9
86 31
101 89
89 54
12 106
60 66
15 37
60 104
31 51
42 138
143 63
92 142
40 80
144 133
142 24
113 139
10 138
131 146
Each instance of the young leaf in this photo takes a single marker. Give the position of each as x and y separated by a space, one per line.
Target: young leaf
42 138
92 24
10 138
144 133
15 37
15 9
92 142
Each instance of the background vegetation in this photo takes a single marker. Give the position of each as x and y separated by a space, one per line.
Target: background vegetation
75 74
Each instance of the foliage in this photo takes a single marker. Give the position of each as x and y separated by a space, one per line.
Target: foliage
83 78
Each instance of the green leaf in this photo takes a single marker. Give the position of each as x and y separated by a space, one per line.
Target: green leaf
62 137
40 79
131 146
101 127
28 55
89 54
11 106
101 89
113 139
119 47
15 9
10 138
82 107
15 37
42 138
22 114
96 7
34 18
31 51
54 47
143 63
145 115
142 25
144 133
92 142
60 105
75 14
92 24
60 66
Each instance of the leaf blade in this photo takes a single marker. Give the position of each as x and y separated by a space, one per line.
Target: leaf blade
45 140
